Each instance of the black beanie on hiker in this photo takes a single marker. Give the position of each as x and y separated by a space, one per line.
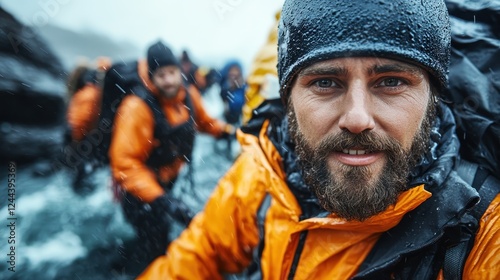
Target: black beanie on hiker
160 55
412 31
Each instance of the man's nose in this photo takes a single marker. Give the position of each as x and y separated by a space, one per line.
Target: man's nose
357 110
169 79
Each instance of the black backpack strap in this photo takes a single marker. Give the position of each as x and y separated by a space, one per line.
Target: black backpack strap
254 270
487 187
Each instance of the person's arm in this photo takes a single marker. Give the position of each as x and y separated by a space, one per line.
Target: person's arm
131 144
483 261
219 239
204 122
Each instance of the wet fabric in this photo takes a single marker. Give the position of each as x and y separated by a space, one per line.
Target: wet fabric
474 92
214 244
174 142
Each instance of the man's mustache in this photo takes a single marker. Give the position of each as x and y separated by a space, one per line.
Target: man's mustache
366 140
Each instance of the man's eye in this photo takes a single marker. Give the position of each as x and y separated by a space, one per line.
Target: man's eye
391 82
324 83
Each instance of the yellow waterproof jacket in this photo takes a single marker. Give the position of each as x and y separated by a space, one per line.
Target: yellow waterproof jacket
133 138
264 64
221 238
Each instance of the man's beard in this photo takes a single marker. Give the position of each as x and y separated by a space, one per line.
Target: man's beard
350 194
169 93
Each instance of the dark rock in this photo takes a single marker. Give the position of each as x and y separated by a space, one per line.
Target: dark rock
24 143
32 94
21 41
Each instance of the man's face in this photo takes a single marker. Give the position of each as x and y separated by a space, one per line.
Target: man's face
167 79
359 126
234 77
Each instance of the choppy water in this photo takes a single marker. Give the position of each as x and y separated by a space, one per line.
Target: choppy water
60 234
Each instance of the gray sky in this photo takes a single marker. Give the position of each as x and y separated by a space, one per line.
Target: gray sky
209 29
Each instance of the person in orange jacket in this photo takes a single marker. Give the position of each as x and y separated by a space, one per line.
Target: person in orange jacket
84 107
356 174
147 153
85 88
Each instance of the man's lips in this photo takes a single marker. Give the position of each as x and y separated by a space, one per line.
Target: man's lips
357 156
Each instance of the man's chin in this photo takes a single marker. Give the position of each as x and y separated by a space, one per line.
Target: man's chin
357 175
169 94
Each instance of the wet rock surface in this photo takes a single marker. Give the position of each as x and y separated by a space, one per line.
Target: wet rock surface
32 94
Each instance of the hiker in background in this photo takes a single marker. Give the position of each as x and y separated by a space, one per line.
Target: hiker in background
193 74
262 79
359 175
153 137
232 91
85 92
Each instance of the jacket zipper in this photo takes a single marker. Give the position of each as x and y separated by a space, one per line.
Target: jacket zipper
298 253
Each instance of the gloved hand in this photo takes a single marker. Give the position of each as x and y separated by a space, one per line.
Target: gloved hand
229 132
176 208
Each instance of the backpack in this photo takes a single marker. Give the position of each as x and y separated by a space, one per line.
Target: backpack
474 97
120 80
78 78
474 91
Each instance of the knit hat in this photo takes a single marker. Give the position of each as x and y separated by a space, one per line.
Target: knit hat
413 31
160 55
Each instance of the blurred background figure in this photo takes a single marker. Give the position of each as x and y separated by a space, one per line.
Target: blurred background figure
85 91
153 137
85 85
232 91
263 74
195 75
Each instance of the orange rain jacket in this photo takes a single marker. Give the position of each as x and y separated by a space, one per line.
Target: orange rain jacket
221 238
83 111
133 140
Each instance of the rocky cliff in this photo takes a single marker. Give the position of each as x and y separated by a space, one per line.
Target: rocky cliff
32 94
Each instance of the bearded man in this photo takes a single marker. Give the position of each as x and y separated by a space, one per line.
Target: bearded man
357 179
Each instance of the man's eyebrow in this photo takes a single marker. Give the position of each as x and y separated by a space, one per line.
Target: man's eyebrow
398 68
324 71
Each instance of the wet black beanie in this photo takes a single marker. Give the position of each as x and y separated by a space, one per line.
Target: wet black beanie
160 55
414 31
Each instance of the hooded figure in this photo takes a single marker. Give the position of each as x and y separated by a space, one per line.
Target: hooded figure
232 91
